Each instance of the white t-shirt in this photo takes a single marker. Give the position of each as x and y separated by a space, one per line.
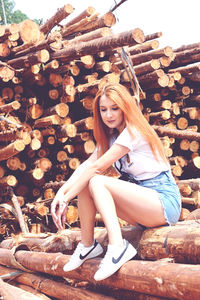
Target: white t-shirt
140 160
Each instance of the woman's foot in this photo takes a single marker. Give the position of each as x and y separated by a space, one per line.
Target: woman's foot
81 254
115 257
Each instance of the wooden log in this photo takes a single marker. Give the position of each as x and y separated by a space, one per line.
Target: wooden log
179 134
8 181
86 13
182 123
12 149
29 31
186 57
60 15
153 36
186 70
194 215
30 290
193 166
23 225
42 56
130 274
173 242
58 290
29 48
108 20
12 106
61 109
193 200
142 69
6 73
84 149
194 183
192 112
77 27
161 115
155 54
4 50
66 240
187 47
6 30
35 111
7 291
68 130
94 34
146 46
48 121
43 163
193 98
154 79
84 124
132 37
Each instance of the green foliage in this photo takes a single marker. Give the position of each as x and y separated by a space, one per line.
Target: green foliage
12 16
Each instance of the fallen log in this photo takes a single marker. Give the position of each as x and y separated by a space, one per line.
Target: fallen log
30 290
53 288
7 291
66 240
179 242
153 278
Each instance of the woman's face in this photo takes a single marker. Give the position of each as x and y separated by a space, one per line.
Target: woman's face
111 114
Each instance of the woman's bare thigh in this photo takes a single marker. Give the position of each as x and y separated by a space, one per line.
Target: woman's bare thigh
134 203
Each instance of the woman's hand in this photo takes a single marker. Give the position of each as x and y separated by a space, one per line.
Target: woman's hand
58 210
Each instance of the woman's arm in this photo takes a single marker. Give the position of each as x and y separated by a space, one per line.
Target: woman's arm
77 183
97 167
58 200
78 173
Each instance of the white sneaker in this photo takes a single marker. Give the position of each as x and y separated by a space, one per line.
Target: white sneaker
81 254
114 259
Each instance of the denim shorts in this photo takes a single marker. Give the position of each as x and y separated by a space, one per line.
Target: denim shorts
169 194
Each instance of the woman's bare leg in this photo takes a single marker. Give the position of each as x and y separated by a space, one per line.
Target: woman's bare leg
106 207
133 203
87 212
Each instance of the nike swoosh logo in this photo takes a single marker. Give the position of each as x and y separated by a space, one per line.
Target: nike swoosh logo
84 256
116 260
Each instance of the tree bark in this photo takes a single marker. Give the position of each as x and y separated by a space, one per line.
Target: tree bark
60 15
132 37
180 134
157 280
7 291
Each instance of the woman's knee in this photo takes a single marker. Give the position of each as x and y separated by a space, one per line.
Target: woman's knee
95 182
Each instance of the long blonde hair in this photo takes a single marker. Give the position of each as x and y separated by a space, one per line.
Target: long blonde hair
132 117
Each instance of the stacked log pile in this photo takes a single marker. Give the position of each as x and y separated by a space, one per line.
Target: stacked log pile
49 77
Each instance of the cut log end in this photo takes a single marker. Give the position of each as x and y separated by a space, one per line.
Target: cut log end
29 31
138 35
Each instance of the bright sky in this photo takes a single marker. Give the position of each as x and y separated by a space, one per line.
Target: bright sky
178 20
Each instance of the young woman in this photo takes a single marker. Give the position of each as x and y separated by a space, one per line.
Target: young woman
145 193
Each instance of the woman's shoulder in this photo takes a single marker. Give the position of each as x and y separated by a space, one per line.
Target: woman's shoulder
131 131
